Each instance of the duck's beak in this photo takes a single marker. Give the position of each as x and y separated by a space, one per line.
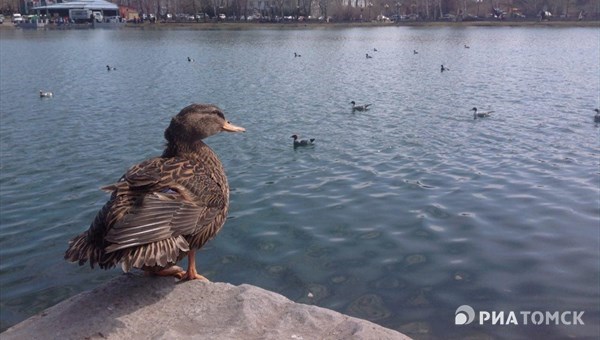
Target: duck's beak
232 128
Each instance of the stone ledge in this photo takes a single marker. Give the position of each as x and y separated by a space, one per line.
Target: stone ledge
138 307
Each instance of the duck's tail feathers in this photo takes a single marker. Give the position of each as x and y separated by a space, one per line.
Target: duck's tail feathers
312 140
160 254
81 251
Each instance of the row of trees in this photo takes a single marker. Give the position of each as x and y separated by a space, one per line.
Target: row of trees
346 10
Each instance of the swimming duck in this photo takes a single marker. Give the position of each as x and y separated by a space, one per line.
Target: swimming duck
190 60
296 55
110 68
415 52
302 142
480 114
45 94
597 116
368 56
166 207
442 69
467 46
375 50
359 107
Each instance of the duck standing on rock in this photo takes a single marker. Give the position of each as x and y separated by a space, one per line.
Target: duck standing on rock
480 114
302 142
166 207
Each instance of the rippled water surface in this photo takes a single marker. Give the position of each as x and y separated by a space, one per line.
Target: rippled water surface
398 215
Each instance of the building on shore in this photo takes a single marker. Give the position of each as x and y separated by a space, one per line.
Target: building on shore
101 9
128 13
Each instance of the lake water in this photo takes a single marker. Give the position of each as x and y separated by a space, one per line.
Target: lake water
398 215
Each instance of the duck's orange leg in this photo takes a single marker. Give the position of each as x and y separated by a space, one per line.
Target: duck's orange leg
191 273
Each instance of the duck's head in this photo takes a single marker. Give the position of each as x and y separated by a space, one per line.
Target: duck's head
353 102
196 122
474 109
294 136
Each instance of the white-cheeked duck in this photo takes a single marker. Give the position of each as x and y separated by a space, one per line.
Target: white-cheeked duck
46 94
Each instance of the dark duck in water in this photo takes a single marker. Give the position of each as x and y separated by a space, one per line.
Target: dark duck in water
164 208
355 107
302 142
480 114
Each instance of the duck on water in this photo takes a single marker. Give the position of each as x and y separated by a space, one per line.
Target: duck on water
45 94
480 114
355 107
165 208
302 142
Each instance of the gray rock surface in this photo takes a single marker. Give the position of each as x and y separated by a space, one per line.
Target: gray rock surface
138 307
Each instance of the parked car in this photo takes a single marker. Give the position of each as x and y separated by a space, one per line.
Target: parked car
17 18
448 17
98 16
545 15
202 16
1 19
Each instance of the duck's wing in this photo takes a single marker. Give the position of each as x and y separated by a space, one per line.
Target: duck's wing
162 199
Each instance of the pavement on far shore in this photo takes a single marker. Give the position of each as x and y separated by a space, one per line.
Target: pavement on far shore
237 25
141 307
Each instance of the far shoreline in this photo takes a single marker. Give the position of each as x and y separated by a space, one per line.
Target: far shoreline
335 25
311 25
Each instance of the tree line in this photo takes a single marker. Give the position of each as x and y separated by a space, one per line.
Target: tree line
351 10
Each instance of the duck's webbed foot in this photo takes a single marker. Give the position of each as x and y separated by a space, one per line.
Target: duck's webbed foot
191 273
171 271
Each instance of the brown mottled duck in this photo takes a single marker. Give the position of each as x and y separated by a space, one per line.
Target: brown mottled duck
163 208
